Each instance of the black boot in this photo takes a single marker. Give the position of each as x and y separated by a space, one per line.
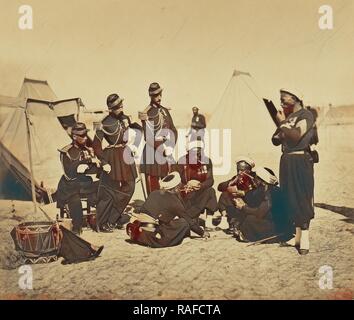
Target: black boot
238 235
232 227
303 251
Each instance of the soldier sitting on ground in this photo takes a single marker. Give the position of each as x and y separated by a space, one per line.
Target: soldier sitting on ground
268 219
167 208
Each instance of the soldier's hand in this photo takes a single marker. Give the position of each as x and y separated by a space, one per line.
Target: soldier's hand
142 116
134 151
239 203
232 189
168 151
206 235
285 125
280 116
193 185
239 193
107 168
96 161
197 187
82 168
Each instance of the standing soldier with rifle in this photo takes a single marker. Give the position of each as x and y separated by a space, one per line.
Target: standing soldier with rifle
295 134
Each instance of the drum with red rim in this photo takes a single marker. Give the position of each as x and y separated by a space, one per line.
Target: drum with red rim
39 242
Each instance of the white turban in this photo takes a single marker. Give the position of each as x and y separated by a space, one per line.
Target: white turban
171 181
266 175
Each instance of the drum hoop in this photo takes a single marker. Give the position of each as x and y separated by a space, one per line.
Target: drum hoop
40 259
35 227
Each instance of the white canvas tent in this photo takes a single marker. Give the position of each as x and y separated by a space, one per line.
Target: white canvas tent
31 135
242 110
7 105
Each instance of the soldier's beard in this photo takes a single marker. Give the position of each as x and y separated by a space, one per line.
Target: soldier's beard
81 144
117 114
156 102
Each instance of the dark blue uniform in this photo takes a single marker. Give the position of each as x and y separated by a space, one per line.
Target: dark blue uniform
296 175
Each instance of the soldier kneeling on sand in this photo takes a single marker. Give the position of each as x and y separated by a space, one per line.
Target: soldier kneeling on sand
170 221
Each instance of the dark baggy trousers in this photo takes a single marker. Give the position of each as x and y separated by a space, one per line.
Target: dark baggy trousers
166 234
73 248
252 228
197 202
113 197
297 184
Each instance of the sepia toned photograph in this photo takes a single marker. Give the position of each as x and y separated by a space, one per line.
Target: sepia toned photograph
177 150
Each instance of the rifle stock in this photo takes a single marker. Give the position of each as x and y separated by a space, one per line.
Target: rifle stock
272 110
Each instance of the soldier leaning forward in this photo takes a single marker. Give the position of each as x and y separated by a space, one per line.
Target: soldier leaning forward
167 207
117 182
77 160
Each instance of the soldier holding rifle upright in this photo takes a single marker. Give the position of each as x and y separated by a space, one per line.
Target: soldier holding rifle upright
295 134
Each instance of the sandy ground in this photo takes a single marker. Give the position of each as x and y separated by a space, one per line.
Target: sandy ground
219 268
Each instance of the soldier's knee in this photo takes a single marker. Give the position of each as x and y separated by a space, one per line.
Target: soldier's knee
182 223
129 187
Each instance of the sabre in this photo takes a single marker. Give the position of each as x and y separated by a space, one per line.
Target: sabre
141 180
265 239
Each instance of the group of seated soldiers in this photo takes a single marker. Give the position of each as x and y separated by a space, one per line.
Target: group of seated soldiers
179 193
251 207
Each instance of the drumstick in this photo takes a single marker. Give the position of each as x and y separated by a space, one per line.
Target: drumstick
49 218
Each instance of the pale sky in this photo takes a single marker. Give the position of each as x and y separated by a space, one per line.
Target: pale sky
89 49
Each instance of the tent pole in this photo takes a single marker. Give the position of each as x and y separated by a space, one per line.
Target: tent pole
30 162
